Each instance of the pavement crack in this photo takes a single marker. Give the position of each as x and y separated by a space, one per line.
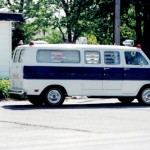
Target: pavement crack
44 126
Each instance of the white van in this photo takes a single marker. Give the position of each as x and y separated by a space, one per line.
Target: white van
47 73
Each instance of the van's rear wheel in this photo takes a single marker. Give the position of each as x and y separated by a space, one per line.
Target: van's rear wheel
144 96
126 100
35 100
54 97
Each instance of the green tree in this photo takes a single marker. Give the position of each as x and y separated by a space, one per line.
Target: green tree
81 17
73 24
91 39
31 10
88 16
103 21
52 36
127 28
138 20
93 18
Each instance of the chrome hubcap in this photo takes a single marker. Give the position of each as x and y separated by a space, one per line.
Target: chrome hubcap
54 96
146 96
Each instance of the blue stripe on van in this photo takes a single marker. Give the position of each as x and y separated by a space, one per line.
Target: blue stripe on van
85 73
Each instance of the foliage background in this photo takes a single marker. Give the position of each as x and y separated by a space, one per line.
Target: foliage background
60 21
4 85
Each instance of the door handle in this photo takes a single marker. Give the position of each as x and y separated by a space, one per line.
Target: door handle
106 68
126 69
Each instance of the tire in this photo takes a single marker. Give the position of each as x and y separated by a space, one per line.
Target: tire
126 100
35 100
144 96
54 97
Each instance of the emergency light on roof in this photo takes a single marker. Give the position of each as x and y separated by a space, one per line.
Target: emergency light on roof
138 46
37 42
128 42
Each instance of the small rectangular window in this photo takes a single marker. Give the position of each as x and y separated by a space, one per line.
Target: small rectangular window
21 55
112 57
58 56
135 58
16 56
92 57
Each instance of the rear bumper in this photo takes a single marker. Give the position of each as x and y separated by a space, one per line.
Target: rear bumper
17 91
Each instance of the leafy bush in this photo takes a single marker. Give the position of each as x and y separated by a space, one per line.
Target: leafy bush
4 85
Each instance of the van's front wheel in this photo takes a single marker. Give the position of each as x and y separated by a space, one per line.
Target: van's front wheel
54 97
144 96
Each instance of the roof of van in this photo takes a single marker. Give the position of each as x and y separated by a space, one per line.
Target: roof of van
87 46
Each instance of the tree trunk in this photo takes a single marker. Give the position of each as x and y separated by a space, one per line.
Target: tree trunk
146 34
138 27
69 34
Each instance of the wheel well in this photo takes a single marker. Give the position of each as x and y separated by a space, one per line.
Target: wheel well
143 87
55 86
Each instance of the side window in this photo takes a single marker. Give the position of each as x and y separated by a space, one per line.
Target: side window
16 56
112 57
135 58
92 57
21 55
58 56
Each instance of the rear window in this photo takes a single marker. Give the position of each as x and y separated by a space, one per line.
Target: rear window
58 56
18 56
21 55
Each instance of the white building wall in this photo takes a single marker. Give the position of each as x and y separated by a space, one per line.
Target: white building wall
5 48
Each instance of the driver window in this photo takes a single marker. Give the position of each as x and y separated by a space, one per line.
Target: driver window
135 58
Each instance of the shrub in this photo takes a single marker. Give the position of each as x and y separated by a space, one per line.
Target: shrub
4 85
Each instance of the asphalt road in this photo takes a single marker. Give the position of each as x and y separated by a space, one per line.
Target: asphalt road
82 124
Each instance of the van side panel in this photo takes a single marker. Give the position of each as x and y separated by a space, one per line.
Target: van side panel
136 74
37 86
68 77
53 72
134 79
64 76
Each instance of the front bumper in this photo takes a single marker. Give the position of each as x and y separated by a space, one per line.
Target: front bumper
17 91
